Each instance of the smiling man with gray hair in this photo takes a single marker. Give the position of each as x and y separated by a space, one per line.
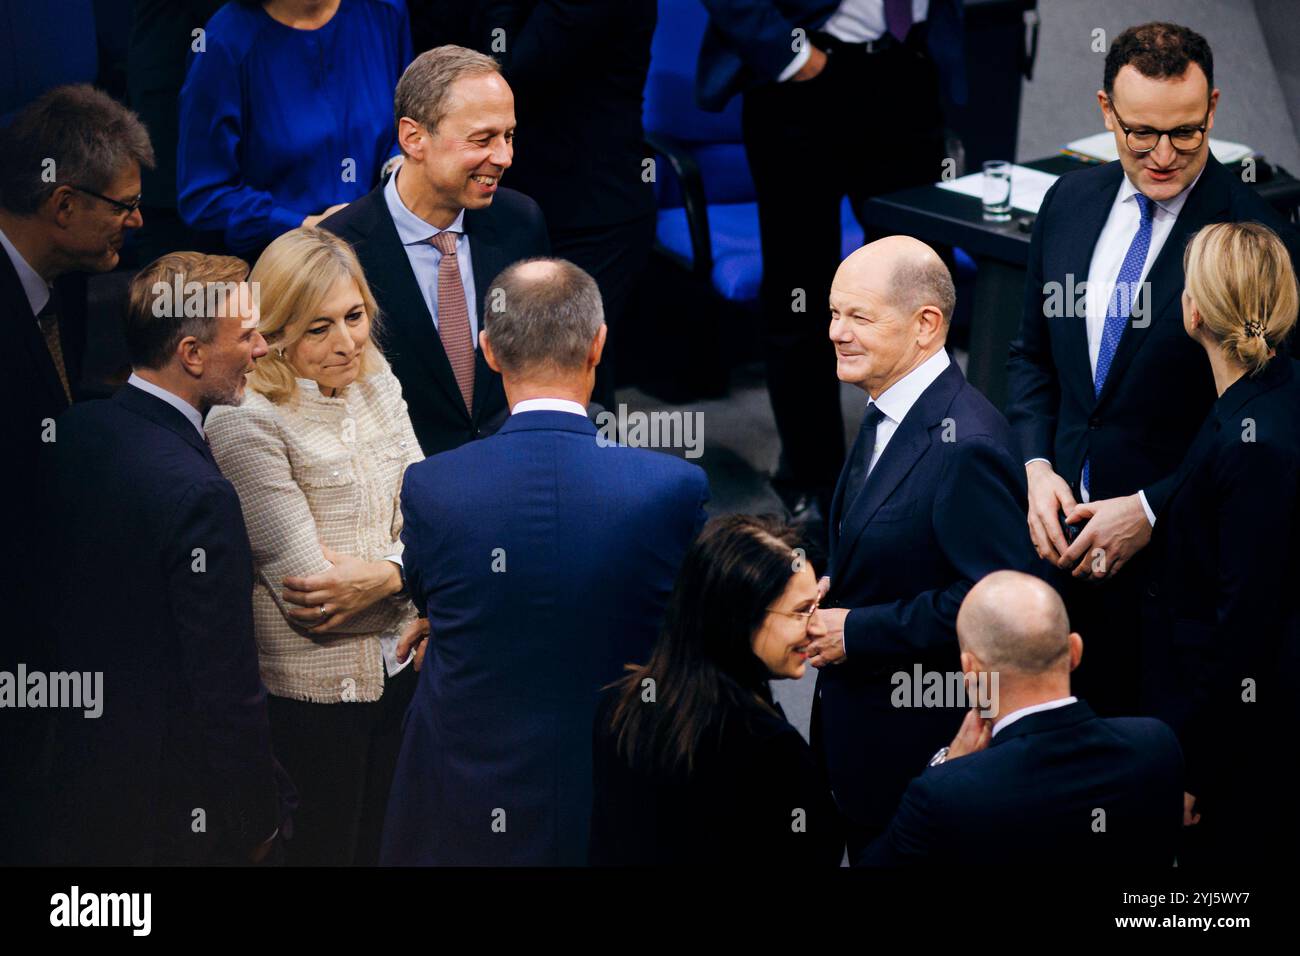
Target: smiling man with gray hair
543 559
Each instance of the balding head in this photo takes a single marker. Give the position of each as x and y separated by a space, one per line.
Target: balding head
1015 623
541 317
891 302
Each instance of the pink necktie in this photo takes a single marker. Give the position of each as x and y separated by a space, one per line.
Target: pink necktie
453 318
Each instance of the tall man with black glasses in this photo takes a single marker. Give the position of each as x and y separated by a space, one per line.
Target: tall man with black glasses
1105 399
840 98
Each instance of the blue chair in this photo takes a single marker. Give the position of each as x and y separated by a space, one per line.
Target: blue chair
44 45
708 217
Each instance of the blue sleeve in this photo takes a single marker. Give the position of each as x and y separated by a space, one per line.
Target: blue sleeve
212 191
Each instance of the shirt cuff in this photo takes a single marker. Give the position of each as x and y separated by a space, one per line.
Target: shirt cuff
797 63
395 558
1151 515
1032 460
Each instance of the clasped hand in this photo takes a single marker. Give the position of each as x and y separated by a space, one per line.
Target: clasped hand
328 599
1116 528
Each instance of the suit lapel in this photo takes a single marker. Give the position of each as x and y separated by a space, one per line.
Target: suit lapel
486 261
390 271
1164 282
908 445
1092 215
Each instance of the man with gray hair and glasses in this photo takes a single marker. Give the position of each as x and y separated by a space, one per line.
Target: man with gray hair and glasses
70 166
1038 777
543 558
431 238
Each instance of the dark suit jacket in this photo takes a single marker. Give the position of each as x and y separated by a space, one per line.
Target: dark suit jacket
739 806
154 590
944 506
1159 387
748 43
544 561
1037 795
510 229
1220 609
578 69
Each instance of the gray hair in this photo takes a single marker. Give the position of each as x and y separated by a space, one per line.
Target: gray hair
71 135
923 280
425 86
542 317
1015 622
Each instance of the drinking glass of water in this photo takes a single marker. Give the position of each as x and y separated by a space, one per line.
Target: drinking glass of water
997 190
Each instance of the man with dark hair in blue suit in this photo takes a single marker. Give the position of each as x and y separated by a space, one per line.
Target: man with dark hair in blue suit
931 500
153 589
810 71
1040 778
543 557
1105 390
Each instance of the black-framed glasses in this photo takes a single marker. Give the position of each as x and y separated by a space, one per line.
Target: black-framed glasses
1184 139
122 208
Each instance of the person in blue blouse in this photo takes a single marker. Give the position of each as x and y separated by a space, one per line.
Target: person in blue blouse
286 114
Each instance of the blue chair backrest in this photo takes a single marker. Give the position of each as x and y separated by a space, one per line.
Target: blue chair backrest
713 138
43 45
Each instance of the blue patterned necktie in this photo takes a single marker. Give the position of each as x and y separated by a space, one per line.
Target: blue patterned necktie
898 18
1120 306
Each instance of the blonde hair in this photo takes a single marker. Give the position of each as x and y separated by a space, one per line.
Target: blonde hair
1240 276
292 278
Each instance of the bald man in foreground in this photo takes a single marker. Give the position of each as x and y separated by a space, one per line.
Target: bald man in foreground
1042 779
931 499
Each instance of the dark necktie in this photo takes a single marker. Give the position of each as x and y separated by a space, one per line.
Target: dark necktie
898 18
48 320
860 458
453 318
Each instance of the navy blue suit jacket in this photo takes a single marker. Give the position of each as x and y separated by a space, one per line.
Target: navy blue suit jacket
944 506
544 561
749 43
154 589
1134 442
1059 787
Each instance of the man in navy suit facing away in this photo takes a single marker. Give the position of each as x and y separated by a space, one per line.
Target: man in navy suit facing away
1041 779
543 557
932 498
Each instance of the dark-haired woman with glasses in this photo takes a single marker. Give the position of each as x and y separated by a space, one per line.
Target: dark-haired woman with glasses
694 761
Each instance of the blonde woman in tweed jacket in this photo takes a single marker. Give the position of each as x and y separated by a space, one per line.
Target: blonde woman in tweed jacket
317 452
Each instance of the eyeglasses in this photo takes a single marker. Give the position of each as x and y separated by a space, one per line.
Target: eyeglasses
122 208
1184 139
804 616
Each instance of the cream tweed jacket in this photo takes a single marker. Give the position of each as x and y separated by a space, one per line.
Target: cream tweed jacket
319 469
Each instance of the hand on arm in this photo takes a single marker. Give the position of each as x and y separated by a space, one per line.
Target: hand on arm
414 636
329 599
1117 529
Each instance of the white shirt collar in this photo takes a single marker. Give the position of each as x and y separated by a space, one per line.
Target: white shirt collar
548 405
411 229
37 289
172 399
897 400
1172 206
1004 722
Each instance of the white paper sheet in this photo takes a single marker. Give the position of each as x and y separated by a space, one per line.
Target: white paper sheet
1028 187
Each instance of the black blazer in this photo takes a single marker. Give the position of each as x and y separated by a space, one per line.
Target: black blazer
578 70
739 807
510 229
1159 387
1221 607
1057 788
944 506
154 590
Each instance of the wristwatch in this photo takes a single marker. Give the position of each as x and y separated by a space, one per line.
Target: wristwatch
940 756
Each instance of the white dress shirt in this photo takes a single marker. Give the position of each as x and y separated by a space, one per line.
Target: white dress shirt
856 21
424 256
172 399
37 289
897 400
548 405
1003 722
1103 271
